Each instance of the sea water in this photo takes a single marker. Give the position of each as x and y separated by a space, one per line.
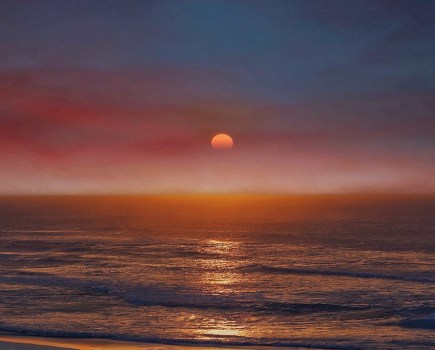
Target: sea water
319 272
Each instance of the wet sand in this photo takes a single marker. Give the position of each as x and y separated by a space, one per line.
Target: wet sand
12 342
40 343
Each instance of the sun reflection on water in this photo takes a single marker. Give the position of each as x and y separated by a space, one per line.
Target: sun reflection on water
223 328
222 276
221 269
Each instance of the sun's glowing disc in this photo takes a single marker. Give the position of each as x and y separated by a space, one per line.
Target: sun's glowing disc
222 142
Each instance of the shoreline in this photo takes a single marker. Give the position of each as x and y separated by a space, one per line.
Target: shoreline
19 342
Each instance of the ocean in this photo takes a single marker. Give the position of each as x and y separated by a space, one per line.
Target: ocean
307 272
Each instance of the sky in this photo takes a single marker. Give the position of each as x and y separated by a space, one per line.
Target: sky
102 96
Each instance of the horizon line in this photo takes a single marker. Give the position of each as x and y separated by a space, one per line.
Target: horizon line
218 194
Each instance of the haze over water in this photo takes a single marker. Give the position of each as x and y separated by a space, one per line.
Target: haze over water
335 272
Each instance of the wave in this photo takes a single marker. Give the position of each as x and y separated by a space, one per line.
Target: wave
182 298
427 322
233 303
329 344
354 274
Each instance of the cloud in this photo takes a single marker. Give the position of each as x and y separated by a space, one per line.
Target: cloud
68 109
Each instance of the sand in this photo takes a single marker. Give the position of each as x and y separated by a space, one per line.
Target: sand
12 342
39 343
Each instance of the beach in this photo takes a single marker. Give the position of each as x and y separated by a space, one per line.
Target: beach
40 343
43 343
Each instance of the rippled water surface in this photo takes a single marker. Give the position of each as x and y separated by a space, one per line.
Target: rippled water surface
339 272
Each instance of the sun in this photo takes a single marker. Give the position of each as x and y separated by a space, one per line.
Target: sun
222 142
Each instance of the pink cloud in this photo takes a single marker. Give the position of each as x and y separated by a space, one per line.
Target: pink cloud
116 130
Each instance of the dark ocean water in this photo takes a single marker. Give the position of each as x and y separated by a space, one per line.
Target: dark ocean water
314 272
